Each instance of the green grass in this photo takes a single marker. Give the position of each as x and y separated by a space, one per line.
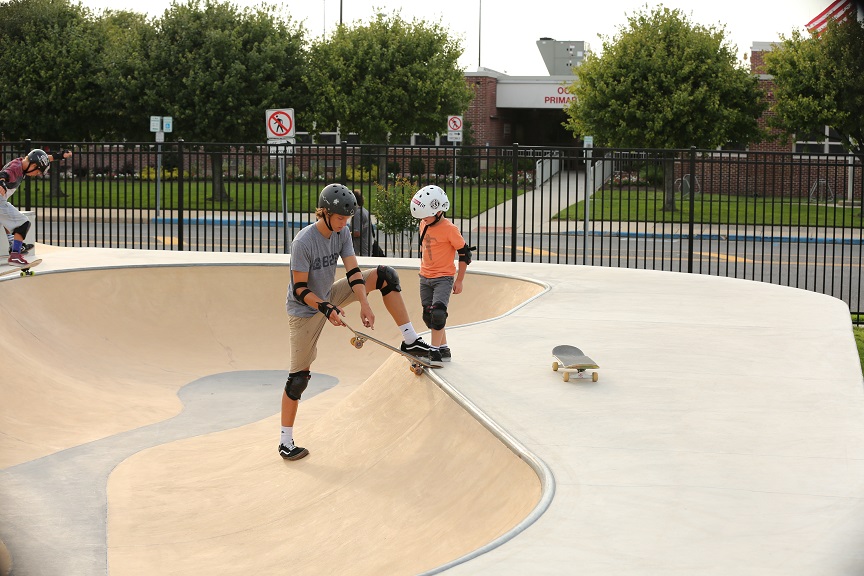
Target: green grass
859 341
646 205
265 196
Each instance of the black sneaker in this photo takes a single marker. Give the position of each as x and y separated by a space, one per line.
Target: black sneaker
294 453
435 356
445 354
418 348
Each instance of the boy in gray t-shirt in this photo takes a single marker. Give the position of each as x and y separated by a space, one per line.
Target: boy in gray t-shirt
315 255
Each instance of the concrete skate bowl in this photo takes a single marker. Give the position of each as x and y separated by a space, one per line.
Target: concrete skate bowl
401 479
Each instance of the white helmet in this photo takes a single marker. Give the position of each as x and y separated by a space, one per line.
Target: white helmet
428 201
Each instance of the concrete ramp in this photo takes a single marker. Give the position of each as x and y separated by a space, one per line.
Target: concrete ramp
139 424
400 480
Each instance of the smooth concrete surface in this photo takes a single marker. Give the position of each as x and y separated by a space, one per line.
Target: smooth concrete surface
725 434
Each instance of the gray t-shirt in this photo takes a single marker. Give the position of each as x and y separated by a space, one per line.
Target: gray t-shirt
361 222
318 256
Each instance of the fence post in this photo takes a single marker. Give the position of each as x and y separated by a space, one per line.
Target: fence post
28 145
692 207
513 200
180 182
343 160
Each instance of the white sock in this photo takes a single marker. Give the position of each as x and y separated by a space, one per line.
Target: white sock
287 437
409 335
11 237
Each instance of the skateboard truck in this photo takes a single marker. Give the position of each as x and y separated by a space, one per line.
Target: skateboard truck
417 365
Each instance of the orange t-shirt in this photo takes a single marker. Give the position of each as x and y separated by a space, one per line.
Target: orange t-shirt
440 244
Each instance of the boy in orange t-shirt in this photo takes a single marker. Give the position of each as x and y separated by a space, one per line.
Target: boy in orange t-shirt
440 241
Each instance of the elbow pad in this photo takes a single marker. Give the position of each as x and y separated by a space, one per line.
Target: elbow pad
465 253
300 291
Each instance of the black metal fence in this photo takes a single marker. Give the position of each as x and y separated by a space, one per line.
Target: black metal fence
783 218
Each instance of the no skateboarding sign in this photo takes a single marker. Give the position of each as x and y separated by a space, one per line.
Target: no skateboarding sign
280 123
454 128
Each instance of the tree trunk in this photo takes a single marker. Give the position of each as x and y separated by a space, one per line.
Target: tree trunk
54 178
219 193
382 166
669 184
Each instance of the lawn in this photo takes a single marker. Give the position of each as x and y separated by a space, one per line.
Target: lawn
646 205
859 341
467 200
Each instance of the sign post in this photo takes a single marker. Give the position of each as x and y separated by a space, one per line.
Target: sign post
280 131
589 190
454 134
157 125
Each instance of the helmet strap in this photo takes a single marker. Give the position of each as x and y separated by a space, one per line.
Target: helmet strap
426 229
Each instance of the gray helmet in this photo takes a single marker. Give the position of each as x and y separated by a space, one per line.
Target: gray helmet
338 199
39 159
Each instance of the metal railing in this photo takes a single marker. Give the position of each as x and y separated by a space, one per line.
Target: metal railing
763 216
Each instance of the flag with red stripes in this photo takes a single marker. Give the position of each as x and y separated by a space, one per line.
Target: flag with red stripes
839 10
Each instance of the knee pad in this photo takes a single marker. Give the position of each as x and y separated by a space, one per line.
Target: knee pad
22 229
388 280
427 316
437 316
296 384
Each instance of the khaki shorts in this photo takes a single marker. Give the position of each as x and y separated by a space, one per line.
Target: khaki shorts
303 332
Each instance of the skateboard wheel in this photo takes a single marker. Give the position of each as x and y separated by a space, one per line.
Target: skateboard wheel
554 366
417 370
566 376
356 342
594 376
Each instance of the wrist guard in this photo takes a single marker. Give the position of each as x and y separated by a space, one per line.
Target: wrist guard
58 156
326 308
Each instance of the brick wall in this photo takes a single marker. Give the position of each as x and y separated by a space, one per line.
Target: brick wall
487 122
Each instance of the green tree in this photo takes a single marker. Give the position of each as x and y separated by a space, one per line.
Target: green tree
216 70
819 81
385 80
122 75
50 92
665 82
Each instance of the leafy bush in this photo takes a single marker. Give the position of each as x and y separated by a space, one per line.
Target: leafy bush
443 167
149 173
360 174
416 166
393 207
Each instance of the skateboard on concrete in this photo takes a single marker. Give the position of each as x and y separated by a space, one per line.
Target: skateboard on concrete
24 270
417 364
570 359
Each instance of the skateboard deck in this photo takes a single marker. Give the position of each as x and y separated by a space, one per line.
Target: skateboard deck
23 271
417 364
570 359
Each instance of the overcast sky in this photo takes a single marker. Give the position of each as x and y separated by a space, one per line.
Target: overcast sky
504 39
